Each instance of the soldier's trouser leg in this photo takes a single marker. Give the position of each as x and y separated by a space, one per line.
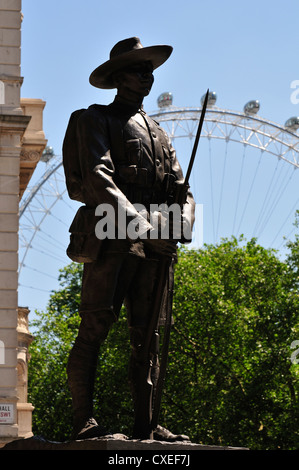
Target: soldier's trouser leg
82 364
103 288
143 373
143 377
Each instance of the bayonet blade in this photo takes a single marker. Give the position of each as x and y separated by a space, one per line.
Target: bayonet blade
197 137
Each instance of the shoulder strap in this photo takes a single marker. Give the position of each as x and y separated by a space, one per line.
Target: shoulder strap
115 130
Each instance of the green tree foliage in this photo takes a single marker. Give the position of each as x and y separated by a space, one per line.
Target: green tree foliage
230 378
236 317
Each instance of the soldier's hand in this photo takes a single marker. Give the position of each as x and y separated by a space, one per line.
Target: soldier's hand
161 246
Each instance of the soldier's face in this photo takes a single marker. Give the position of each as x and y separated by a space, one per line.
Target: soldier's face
136 80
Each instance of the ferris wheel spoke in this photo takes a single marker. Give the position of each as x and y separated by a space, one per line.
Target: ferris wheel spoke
280 188
35 288
45 252
58 219
221 189
43 273
278 196
250 191
291 212
68 205
276 193
267 197
239 188
43 235
212 191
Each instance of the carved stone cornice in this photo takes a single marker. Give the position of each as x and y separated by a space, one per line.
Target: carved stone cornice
30 155
23 323
33 141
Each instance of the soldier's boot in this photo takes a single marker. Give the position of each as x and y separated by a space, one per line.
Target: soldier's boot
81 370
163 434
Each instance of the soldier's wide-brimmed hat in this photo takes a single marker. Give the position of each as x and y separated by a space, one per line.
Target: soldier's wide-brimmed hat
124 53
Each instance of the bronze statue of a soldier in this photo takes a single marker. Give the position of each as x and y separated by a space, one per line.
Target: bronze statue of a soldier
117 157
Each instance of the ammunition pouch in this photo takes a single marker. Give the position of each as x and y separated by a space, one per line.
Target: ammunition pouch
169 183
133 175
84 246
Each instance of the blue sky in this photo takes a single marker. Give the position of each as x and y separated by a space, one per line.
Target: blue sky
240 50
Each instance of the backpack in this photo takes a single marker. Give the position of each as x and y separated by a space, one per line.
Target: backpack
84 247
70 158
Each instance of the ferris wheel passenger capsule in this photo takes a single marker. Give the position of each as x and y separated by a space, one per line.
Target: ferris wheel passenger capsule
212 98
47 154
292 123
165 100
252 107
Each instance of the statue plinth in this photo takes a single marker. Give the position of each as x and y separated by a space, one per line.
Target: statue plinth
117 442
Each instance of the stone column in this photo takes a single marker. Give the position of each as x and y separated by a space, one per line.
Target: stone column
12 127
24 408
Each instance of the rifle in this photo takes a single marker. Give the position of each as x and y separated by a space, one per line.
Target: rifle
148 414
180 198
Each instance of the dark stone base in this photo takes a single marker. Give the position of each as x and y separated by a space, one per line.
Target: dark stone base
118 442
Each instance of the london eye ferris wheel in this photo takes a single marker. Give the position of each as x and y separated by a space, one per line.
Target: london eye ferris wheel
244 181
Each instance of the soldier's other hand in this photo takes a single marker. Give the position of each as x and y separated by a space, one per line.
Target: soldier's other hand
162 247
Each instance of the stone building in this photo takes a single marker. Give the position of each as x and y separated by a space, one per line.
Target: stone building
22 142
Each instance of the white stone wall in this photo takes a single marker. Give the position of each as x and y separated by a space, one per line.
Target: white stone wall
10 56
12 126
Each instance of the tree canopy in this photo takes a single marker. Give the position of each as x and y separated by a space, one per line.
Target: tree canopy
230 378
